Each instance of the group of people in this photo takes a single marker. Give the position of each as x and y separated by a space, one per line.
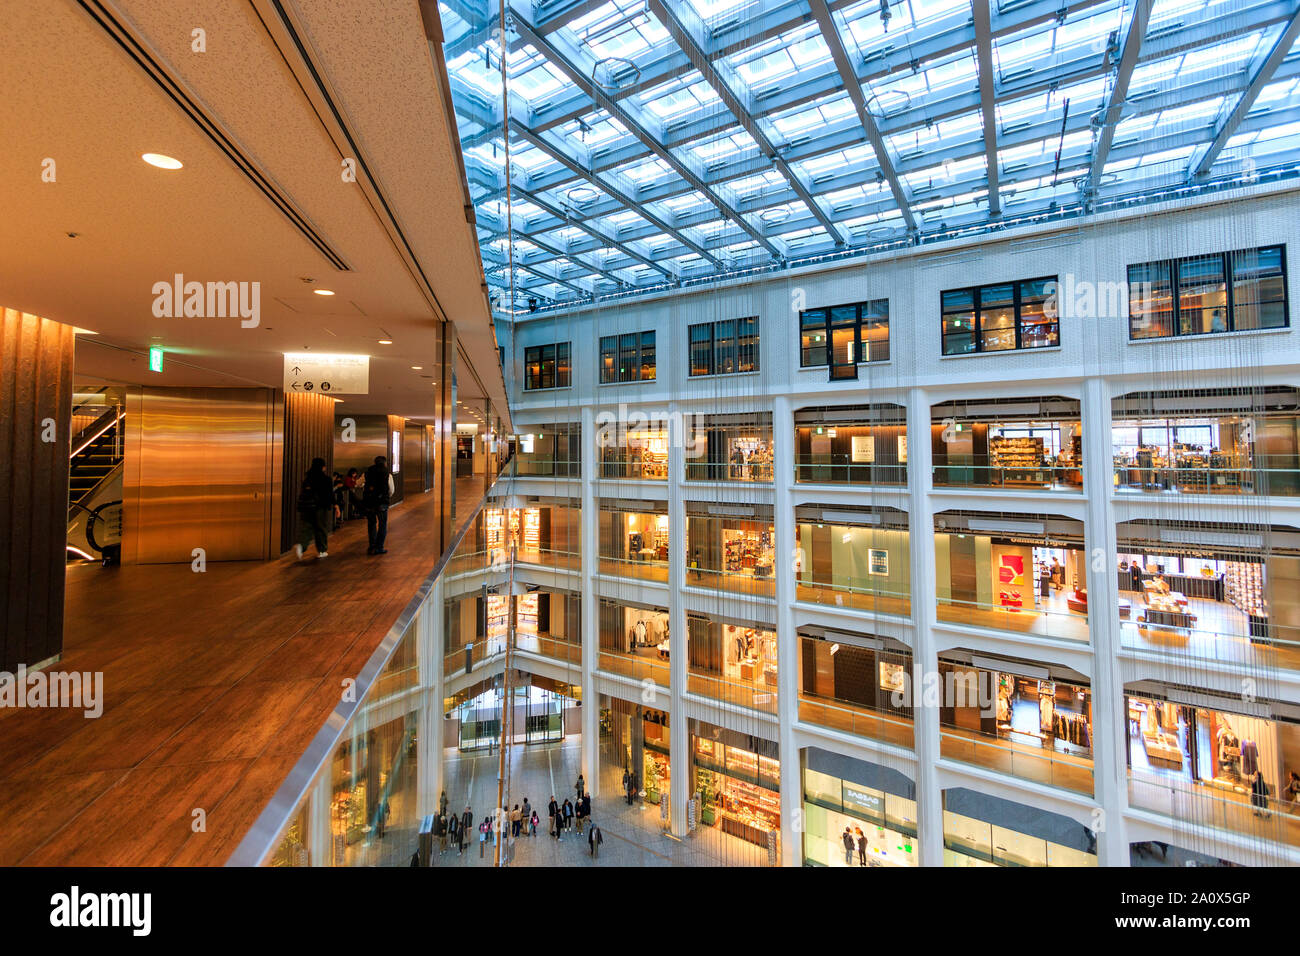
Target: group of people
454 831
324 504
854 840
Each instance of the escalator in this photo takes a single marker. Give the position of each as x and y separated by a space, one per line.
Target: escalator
95 477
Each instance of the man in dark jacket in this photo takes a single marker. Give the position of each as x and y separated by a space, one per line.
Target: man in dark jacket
594 839
466 825
315 509
376 495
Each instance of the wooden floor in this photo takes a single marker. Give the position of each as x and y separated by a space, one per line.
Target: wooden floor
214 684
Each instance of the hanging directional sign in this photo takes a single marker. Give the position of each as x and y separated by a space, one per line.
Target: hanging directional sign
327 373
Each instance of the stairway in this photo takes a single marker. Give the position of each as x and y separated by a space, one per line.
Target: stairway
94 495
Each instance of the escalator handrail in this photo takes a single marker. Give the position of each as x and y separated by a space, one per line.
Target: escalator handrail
113 412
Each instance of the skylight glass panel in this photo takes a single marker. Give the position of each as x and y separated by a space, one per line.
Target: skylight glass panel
713 10
830 109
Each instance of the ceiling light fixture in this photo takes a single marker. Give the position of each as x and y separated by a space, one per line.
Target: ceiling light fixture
417 367
161 161
385 341
323 291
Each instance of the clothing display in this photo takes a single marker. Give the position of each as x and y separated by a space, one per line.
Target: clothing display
1072 728
1249 758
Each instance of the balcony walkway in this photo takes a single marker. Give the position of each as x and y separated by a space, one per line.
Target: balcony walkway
214 685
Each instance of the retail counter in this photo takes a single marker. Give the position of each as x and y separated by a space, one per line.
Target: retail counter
1192 585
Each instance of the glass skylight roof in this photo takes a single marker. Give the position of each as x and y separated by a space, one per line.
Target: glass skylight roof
654 142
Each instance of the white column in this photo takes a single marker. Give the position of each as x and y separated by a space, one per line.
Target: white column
589 543
679 754
920 518
787 687
1109 730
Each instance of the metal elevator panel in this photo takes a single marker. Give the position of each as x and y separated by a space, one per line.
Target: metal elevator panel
201 473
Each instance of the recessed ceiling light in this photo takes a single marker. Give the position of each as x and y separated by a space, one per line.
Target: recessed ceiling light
161 161
385 341
417 367
323 291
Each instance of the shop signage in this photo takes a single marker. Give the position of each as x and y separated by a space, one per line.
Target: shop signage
879 562
902 448
870 802
329 374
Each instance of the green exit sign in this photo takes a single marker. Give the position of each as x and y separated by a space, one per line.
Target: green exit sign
155 359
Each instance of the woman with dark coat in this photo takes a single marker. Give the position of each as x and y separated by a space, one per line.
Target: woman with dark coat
315 509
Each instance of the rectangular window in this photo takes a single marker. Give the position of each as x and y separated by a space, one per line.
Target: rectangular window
1201 295
812 338
546 366
724 347
629 357
701 337
999 318
842 336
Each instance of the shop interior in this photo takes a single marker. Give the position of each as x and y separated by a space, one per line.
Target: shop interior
1212 753
851 445
552 451
544 620
854 557
634 739
1032 708
1221 602
539 533
638 453
732 448
1211 443
875 806
1035 443
729 548
636 632
1035 579
980 830
738 788
634 542
843 676
732 662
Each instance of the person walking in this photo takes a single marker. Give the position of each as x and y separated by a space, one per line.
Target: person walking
376 495
482 837
594 839
568 814
352 485
527 813
466 825
532 822
453 829
551 809
315 507
516 816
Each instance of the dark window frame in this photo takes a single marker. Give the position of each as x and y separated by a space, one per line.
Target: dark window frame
1018 325
865 312
640 359
733 352
553 367
1228 261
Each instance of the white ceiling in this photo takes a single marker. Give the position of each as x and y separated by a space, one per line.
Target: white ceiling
74 95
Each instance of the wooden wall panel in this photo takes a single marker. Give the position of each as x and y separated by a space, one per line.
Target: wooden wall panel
37 358
308 434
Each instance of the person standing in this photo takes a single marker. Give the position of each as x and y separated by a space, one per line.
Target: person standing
551 809
580 786
482 837
848 846
516 816
315 505
532 823
594 839
453 829
466 825
862 847
376 496
568 814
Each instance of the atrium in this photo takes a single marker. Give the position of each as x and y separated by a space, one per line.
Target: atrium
650 433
